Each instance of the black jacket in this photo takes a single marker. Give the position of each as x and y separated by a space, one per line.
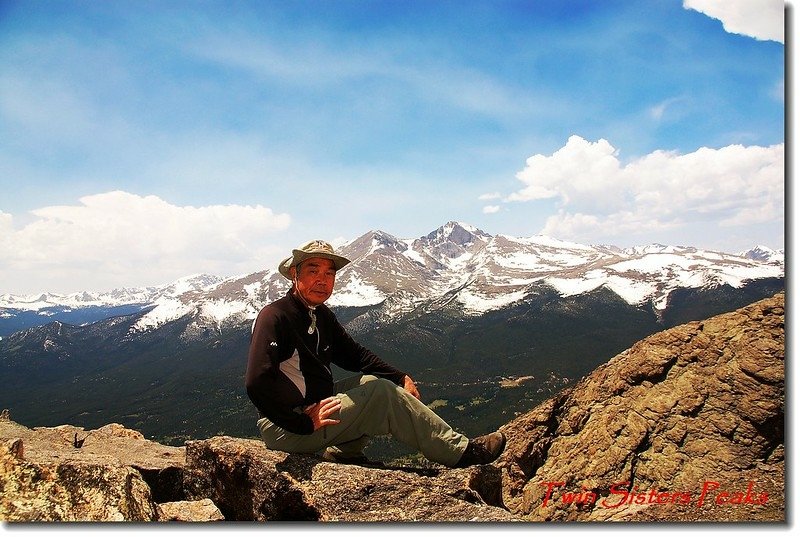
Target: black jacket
288 368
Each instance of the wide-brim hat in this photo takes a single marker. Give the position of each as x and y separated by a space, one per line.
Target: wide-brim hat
311 249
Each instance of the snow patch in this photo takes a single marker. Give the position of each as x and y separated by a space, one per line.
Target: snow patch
166 310
221 310
476 304
357 293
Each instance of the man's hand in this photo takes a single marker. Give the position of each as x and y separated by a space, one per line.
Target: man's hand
320 412
410 387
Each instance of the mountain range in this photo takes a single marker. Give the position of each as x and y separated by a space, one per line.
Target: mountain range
456 262
489 323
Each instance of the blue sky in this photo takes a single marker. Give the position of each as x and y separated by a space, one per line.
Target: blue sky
144 141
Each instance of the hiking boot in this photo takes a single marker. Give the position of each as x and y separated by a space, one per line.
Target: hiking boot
482 450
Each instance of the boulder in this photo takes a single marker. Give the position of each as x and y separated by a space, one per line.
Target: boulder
69 490
67 473
688 424
189 511
250 482
159 465
115 474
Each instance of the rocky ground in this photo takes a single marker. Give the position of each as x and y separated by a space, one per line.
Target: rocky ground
118 475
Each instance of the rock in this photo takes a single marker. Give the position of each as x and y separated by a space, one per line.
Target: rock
688 424
186 511
45 477
249 482
70 490
113 445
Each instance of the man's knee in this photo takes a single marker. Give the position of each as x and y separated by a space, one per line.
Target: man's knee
368 378
379 387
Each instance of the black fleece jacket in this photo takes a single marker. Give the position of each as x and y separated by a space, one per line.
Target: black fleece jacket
289 369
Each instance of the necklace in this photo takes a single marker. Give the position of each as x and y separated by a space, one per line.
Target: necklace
313 322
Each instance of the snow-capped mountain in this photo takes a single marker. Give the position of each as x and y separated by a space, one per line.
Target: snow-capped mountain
765 254
455 265
461 265
22 311
462 309
117 297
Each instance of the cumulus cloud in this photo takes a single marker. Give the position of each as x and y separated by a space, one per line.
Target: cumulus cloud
491 209
761 19
578 173
599 197
115 238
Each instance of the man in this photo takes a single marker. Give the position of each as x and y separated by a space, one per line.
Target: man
288 379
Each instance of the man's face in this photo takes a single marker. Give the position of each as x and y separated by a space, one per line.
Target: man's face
314 280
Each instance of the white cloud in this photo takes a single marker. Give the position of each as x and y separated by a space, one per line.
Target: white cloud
122 239
599 197
658 111
491 209
5 223
490 196
761 19
580 172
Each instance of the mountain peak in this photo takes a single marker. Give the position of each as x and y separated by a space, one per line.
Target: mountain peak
762 253
369 243
458 233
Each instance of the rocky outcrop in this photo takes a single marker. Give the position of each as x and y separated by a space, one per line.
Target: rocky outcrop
65 473
249 482
688 424
114 474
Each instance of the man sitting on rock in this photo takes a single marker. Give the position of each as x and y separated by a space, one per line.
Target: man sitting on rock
289 380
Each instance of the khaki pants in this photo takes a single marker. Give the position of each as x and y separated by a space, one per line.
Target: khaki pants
373 406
